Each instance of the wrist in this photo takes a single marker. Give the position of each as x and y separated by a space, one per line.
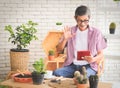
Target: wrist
65 39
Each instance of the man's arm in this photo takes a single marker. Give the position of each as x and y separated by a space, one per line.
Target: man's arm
61 45
67 35
98 57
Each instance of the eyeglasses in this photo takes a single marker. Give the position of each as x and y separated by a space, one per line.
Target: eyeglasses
85 21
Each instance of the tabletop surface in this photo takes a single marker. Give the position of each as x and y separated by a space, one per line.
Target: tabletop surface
65 83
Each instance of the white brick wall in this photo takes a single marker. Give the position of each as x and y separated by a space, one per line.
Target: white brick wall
112 69
47 13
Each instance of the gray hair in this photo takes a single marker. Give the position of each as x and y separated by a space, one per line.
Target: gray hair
82 10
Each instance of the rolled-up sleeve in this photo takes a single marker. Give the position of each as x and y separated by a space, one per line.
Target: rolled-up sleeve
101 43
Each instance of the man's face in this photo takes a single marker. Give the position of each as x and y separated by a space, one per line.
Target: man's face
82 22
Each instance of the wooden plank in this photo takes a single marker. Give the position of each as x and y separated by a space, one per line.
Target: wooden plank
13 84
65 83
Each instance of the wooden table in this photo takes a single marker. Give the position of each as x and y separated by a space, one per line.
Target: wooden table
65 83
13 84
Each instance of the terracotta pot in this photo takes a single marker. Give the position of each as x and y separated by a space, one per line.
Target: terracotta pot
22 79
51 57
82 85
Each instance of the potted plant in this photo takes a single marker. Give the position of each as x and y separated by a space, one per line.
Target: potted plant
116 0
93 81
51 55
59 25
81 78
38 73
112 28
21 36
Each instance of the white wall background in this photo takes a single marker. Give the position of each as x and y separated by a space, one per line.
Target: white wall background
47 13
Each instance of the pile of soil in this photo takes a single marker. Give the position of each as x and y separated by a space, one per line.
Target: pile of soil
25 76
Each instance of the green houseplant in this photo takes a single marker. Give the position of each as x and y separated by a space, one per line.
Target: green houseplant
116 0
21 36
112 28
38 73
51 54
81 78
59 25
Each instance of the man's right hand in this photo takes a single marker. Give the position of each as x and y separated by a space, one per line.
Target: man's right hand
67 33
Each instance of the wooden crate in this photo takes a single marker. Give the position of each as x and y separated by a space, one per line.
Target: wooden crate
51 40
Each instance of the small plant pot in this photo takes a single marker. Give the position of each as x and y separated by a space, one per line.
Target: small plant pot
82 85
93 83
112 31
51 57
37 78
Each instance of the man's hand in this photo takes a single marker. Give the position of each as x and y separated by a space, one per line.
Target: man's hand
89 59
67 33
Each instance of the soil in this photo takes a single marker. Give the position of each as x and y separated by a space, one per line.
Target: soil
25 76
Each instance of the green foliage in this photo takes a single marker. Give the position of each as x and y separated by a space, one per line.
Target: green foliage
39 66
22 35
116 0
76 74
59 23
112 25
51 52
81 77
1 86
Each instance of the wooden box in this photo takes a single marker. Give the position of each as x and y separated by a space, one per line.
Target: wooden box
50 42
